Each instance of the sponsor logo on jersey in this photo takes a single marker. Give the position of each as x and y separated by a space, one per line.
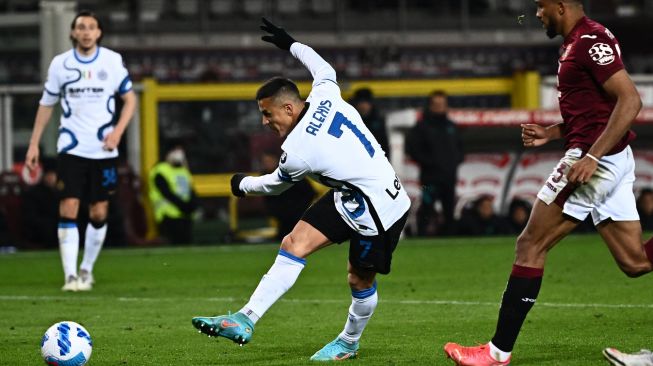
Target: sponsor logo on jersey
602 54
319 116
102 75
551 187
607 31
83 90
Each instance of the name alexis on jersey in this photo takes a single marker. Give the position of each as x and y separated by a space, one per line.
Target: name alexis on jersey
319 116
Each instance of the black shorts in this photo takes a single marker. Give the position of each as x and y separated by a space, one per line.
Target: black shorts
82 178
371 253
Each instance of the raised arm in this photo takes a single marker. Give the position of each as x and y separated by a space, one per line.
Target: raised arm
319 68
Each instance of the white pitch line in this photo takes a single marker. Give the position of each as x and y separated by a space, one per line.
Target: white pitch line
301 301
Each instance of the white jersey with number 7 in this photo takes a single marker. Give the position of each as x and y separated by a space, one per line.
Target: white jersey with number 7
331 144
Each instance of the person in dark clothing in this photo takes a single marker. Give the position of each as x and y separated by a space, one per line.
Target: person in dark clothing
41 209
172 195
481 220
288 207
363 101
436 146
518 213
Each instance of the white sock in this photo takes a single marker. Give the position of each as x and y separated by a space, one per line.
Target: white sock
279 279
68 247
498 354
362 307
92 245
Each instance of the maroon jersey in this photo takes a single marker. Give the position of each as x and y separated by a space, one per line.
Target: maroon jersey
590 54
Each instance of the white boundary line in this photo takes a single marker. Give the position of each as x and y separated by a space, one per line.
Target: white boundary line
311 301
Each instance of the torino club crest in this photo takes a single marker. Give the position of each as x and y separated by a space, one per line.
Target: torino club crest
602 53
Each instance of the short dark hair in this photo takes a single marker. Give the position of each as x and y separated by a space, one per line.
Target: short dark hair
86 13
363 95
277 86
438 93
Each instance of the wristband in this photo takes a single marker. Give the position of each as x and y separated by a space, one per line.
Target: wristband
592 157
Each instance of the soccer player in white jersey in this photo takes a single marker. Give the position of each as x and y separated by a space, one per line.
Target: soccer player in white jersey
326 139
85 79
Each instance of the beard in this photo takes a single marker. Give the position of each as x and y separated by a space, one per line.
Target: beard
551 31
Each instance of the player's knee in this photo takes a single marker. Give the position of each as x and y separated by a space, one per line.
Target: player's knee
360 283
291 244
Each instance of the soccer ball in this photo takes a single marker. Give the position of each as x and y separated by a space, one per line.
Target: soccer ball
66 343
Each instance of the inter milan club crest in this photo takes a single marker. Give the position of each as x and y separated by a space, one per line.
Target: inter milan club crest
102 75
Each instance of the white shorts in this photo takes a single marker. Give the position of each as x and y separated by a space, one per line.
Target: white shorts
607 195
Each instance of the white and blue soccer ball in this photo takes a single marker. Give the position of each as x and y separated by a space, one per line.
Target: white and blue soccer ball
66 344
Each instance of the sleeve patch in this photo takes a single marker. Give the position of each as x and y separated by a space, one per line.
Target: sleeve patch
602 54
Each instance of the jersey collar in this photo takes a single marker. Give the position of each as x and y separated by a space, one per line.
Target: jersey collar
86 59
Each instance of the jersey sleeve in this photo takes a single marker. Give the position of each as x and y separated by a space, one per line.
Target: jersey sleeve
322 72
291 169
52 88
124 81
601 55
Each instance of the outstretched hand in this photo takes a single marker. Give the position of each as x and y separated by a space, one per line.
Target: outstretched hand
278 36
533 135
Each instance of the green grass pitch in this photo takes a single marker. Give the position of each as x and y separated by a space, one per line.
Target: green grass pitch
439 290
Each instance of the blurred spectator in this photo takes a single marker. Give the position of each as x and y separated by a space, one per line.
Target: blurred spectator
173 199
4 230
288 207
435 144
518 214
41 209
645 208
363 101
481 220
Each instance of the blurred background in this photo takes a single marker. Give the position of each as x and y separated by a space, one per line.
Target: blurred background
196 65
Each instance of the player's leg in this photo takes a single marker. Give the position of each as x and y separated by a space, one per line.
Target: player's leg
546 226
320 226
364 299
96 232
624 241
71 173
303 240
68 235
102 184
367 257
617 221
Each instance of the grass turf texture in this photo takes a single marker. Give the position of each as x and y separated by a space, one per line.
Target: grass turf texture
439 290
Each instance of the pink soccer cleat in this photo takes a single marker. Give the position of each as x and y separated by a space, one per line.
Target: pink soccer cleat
472 356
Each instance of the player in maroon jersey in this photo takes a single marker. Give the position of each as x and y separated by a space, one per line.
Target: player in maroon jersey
598 103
